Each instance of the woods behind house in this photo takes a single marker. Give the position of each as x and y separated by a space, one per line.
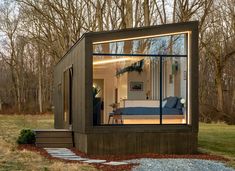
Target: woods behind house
34 35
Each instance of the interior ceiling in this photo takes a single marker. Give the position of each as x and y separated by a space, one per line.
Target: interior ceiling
111 60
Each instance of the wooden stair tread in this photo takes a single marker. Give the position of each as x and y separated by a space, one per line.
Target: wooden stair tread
54 138
55 145
52 130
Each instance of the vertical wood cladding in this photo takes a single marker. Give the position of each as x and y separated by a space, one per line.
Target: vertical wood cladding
166 139
137 143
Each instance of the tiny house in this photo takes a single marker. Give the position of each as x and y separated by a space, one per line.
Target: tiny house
131 91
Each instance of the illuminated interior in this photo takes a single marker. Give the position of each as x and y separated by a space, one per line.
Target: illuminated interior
141 80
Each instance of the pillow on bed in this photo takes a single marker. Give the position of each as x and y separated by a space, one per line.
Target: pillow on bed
171 102
179 105
164 103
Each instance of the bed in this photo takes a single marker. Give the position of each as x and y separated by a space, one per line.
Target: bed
172 113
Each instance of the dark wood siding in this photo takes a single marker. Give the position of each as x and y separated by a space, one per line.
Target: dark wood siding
128 139
136 143
75 58
137 32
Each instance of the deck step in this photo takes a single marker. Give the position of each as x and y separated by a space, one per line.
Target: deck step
54 145
57 138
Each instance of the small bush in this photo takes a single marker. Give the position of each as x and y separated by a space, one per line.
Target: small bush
27 136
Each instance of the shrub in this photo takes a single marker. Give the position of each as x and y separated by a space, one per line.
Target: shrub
27 136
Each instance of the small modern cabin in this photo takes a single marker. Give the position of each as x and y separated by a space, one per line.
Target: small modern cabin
131 91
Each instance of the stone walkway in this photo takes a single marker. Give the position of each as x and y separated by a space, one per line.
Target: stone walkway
67 154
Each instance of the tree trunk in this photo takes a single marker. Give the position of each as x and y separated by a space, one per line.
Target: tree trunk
40 80
219 91
40 91
129 24
18 94
146 13
99 16
232 109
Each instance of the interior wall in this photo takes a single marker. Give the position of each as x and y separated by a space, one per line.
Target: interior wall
137 77
169 79
155 79
107 74
148 80
183 76
174 84
122 87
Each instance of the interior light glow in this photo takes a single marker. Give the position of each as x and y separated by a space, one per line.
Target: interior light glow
189 80
141 37
110 61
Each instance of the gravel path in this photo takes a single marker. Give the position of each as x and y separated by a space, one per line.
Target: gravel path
178 165
147 164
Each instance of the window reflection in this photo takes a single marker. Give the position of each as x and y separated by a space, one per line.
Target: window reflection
128 75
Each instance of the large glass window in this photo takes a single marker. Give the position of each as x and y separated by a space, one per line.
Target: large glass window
140 81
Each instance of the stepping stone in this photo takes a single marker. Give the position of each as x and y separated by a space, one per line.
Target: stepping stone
59 151
67 156
112 163
67 153
47 148
56 149
63 155
76 159
62 152
95 161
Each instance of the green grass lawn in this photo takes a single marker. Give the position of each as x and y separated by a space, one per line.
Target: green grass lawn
218 139
12 159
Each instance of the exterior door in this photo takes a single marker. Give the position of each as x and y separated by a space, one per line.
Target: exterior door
67 105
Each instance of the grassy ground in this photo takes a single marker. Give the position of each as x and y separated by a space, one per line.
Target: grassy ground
218 139
13 159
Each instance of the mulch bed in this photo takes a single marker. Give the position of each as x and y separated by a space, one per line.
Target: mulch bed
127 167
103 167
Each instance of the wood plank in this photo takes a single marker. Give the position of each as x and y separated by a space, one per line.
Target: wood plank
53 145
136 143
53 134
54 140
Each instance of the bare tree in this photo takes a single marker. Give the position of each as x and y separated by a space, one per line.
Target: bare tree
9 25
41 32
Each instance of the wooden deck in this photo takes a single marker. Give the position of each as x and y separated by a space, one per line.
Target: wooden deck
58 138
